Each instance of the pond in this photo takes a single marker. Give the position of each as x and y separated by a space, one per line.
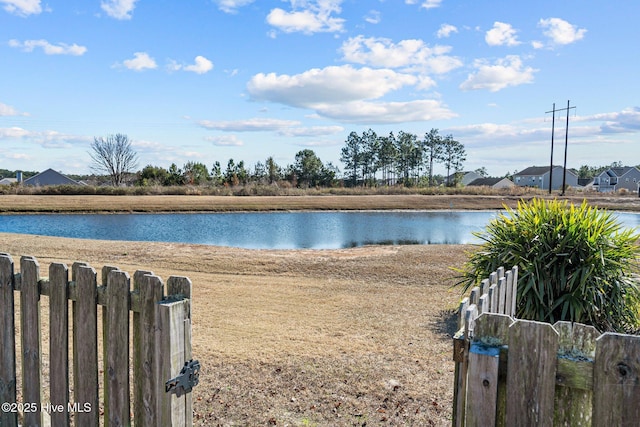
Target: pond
272 230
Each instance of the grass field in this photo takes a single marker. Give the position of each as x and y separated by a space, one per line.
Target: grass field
329 338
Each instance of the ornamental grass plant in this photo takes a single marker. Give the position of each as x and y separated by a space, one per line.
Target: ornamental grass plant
576 263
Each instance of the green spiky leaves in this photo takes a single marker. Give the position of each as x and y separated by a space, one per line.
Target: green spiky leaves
576 263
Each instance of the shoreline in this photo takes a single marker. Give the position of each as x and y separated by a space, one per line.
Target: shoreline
82 204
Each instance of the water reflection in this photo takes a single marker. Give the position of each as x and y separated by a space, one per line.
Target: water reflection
274 230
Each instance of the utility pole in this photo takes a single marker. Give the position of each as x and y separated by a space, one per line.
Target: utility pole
566 143
553 131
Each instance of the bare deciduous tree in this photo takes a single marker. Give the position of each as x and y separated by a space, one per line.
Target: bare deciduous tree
113 155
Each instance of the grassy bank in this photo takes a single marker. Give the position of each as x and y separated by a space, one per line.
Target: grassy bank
183 203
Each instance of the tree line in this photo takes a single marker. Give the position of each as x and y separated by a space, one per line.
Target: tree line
401 158
369 160
307 171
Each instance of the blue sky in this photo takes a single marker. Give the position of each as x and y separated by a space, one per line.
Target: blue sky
209 80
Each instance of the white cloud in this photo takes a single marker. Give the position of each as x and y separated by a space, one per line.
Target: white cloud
501 35
506 72
537 44
46 138
22 7
308 17
373 17
345 93
13 132
16 156
560 31
446 30
141 61
225 141
426 4
48 48
119 9
249 125
327 85
627 120
386 112
311 131
201 66
231 6
8 110
382 52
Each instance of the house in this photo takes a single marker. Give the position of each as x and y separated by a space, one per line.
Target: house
538 176
614 179
462 178
492 182
49 177
8 181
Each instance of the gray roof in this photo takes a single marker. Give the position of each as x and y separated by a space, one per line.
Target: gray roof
49 177
618 171
8 181
539 171
486 181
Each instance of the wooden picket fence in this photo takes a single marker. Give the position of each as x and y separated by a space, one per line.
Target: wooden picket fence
511 372
161 327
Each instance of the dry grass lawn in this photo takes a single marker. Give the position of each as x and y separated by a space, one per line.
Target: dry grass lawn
330 338
38 204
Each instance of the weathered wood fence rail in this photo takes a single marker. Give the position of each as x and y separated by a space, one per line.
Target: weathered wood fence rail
161 340
513 372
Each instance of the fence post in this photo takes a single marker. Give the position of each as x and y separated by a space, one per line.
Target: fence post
180 287
7 341
30 331
172 324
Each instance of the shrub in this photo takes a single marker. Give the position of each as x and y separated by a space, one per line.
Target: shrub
575 263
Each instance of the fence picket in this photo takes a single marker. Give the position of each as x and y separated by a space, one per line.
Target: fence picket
573 405
514 290
59 347
85 347
30 330
508 293
484 286
616 400
493 298
8 340
494 330
146 378
116 326
171 345
531 375
180 286
502 295
484 357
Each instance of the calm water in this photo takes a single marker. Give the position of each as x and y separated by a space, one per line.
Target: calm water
279 230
